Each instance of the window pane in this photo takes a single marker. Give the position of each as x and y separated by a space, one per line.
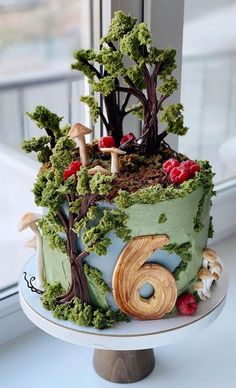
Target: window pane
209 83
37 39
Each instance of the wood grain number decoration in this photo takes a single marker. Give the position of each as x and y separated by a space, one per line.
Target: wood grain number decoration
132 272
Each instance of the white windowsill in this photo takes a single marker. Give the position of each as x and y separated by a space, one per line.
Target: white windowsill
38 360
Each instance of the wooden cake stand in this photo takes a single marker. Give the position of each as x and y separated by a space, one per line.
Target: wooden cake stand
124 354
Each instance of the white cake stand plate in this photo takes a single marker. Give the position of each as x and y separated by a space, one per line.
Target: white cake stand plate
124 353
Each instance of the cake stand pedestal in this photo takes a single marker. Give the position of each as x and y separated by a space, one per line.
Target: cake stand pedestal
124 354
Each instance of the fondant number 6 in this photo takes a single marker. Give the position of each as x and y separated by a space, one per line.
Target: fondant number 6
132 272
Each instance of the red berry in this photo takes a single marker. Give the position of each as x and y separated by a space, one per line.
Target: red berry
67 173
72 169
106 142
177 175
193 169
186 304
75 165
129 137
169 164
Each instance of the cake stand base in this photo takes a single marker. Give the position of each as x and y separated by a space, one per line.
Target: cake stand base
124 353
121 366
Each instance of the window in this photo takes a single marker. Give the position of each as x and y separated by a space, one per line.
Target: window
209 83
37 39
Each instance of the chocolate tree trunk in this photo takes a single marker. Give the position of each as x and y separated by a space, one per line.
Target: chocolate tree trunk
115 117
150 139
79 285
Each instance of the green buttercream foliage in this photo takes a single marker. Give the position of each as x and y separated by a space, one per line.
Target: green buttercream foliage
47 120
120 25
162 218
95 239
135 74
97 287
49 230
75 205
131 43
169 86
61 311
153 194
112 61
44 145
183 251
211 228
40 146
101 183
93 107
46 193
79 313
51 292
198 225
83 181
62 155
105 86
172 116
81 57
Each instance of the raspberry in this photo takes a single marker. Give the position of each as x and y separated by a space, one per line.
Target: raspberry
67 173
75 165
186 304
72 169
129 137
177 175
169 164
191 167
106 142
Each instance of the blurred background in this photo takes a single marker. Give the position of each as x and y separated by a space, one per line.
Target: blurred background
37 39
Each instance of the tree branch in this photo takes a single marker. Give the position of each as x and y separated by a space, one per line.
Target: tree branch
162 136
104 119
160 102
125 103
82 255
92 68
63 220
135 92
129 110
156 70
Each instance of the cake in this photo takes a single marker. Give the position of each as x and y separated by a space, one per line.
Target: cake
126 219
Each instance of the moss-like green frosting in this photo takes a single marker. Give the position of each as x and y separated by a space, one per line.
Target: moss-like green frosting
180 213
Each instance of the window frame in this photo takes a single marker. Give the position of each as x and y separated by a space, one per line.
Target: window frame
155 13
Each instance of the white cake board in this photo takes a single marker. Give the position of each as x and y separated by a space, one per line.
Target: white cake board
124 336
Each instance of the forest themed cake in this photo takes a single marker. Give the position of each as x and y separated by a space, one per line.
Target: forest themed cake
126 218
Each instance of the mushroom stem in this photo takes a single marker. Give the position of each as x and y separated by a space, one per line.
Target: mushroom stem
115 165
83 150
39 257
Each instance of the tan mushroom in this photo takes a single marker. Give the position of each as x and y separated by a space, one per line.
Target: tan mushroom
216 269
94 170
199 286
78 132
30 220
207 278
115 152
209 256
32 243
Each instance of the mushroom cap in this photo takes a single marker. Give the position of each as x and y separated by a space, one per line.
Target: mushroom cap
113 150
216 268
98 168
205 274
28 219
209 255
31 243
198 286
78 130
